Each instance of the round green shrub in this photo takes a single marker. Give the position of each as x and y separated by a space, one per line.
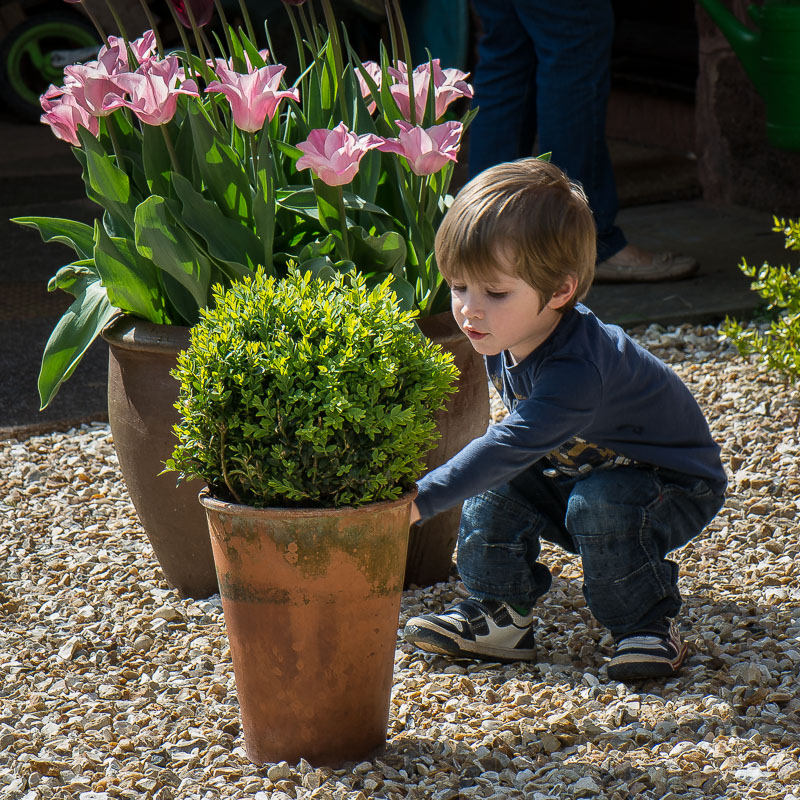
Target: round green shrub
302 392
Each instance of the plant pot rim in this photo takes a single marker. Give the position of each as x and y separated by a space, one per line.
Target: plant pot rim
134 333
442 327
212 503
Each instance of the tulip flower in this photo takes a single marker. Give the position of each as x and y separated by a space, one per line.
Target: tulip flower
202 10
426 150
374 71
153 91
448 85
114 55
92 85
63 114
254 96
334 155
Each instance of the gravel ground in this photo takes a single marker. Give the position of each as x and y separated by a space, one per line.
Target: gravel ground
113 686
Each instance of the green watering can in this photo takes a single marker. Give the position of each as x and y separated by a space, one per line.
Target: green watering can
771 57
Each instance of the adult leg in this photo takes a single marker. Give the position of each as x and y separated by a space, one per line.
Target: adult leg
505 126
573 51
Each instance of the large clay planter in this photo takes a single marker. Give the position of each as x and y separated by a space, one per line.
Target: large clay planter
311 599
141 397
431 545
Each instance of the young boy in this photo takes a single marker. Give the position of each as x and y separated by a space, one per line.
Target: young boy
604 451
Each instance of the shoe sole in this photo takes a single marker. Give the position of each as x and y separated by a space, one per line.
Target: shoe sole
432 641
634 277
640 667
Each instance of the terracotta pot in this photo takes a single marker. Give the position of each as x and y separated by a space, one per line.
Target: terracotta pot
311 599
431 545
141 394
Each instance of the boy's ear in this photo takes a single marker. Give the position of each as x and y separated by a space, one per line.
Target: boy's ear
564 293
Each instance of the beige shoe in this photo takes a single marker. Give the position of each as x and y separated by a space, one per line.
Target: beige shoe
634 265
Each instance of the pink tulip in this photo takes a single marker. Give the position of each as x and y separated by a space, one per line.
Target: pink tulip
334 155
374 71
426 150
92 85
114 56
448 85
202 10
63 114
153 91
253 97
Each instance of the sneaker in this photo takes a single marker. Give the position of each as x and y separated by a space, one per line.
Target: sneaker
474 628
653 652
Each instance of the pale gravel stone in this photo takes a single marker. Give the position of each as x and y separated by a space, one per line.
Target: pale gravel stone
111 686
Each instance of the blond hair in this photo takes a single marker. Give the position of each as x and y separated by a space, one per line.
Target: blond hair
524 217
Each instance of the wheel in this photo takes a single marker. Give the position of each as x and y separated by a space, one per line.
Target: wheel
30 59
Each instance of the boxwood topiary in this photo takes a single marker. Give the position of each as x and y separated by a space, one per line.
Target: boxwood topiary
303 392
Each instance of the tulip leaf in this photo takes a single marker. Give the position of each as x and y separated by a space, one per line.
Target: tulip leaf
76 235
227 240
161 239
155 159
106 184
72 277
74 332
264 206
304 201
131 281
220 168
378 254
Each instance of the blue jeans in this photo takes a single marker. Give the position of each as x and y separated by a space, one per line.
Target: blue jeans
622 521
544 67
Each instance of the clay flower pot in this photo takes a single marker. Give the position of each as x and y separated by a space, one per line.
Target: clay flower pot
311 599
141 413
464 418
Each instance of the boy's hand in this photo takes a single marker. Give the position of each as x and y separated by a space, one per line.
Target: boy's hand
415 515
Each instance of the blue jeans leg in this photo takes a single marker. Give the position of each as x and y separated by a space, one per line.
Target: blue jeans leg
622 521
554 58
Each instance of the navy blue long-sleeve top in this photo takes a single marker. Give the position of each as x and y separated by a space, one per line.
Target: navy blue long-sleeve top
588 394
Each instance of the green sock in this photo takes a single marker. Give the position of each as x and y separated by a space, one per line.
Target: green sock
524 610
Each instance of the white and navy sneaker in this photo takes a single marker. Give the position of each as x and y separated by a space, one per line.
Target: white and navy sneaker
653 652
487 629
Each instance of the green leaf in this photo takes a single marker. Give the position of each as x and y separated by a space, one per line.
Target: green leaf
75 331
76 235
72 278
130 280
220 168
161 239
376 253
156 159
264 203
106 183
227 240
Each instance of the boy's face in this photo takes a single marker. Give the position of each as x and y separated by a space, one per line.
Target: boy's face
503 313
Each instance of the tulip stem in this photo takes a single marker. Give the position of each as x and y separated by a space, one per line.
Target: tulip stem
93 19
170 148
196 31
153 27
223 19
298 38
247 23
185 41
117 21
253 156
392 37
112 134
333 30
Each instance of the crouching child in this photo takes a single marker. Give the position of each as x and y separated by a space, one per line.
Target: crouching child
604 451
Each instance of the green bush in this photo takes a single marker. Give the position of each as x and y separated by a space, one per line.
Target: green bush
779 344
301 392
